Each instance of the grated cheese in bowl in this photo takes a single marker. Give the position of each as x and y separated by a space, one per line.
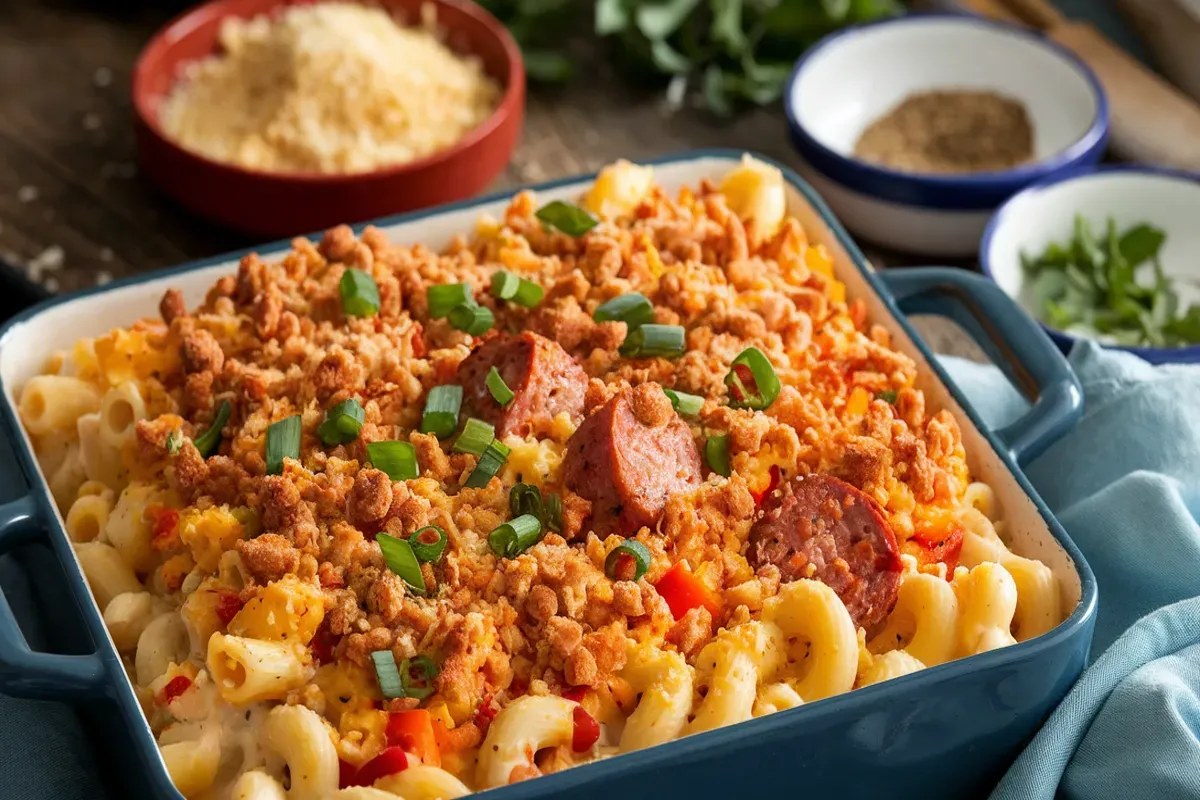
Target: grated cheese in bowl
327 88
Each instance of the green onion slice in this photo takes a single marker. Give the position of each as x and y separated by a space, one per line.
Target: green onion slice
570 219
515 536
447 297
398 554
417 676
472 319
633 309
342 423
490 462
360 294
716 454
390 684
397 459
554 512
499 389
283 441
174 441
525 498
429 543
628 561
508 286
208 441
686 405
441 410
649 341
752 380
475 438
887 396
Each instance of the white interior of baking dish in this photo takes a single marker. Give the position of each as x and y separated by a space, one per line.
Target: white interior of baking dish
27 346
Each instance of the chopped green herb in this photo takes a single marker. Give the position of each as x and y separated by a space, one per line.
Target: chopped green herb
360 294
174 441
887 396
397 459
571 220
390 684
283 441
498 388
716 454
208 441
342 423
400 559
441 410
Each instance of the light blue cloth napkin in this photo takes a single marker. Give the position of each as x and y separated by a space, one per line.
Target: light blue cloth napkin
1125 483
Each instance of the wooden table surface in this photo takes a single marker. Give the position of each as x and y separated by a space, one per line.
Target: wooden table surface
75 212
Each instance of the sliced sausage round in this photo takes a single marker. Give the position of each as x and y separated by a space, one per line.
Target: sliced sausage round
627 464
823 528
544 380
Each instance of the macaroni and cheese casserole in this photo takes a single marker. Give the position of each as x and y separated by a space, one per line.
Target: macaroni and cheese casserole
374 521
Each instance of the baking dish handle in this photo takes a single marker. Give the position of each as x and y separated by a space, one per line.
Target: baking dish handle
24 672
1011 338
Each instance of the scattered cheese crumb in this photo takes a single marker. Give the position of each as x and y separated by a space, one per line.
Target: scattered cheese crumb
333 87
102 77
27 194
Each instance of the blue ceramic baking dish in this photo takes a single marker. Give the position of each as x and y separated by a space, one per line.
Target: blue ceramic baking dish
946 731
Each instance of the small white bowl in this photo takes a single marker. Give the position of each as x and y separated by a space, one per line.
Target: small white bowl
852 78
1045 213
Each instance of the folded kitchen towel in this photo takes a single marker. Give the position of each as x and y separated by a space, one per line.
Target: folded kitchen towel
1126 485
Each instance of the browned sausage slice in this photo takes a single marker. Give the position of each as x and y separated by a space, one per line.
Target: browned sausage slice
628 457
543 377
822 527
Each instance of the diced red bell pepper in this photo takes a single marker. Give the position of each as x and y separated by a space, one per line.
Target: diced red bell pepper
228 605
485 713
175 687
938 544
586 731
347 773
322 645
413 731
575 693
163 524
683 591
772 484
389 762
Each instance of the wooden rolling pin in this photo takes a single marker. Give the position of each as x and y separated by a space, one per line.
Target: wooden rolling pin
1152 121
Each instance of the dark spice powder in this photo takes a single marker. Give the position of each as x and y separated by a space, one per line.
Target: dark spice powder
950 131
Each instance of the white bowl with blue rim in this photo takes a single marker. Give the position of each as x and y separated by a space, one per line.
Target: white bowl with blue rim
1131 195
852 78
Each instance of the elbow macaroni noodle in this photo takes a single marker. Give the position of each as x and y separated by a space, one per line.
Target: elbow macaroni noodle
264 715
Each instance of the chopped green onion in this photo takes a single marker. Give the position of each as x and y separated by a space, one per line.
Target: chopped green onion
887 396
490 462
174 441
390 684
441 410
687 405
571 220
429 543
628 561
447 297
475 438
360 294
499 389
208 441
342 423
554 512
472 319
283 441
634 309
397 459
398 554
417 676
507 286
525 498
515 536
649 341
716 454
752 380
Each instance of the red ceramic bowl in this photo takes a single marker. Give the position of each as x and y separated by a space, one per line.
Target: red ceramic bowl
283 204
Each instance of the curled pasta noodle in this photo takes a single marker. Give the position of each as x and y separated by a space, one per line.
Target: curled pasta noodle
885 666
257 785
100 461
129 531
67 477
775 697
162 643
925 620
127 617
1039 596
88 516
729 666
300 737
106 572
50 402
422 782
810 612
192 763
246 670
981 497
664 680
363 793
522 728
987 599
120 410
